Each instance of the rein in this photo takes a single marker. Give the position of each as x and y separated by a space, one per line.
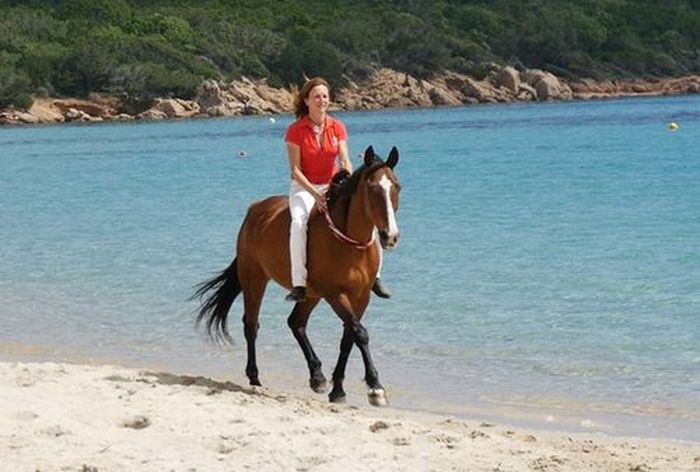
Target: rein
344 237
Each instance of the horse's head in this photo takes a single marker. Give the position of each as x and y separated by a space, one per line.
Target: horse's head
382 190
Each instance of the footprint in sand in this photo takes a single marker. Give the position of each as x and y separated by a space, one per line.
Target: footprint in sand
26 415
378 426
401 442
478 434
54 431
25 379
137 422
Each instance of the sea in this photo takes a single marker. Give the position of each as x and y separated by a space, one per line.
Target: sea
547 275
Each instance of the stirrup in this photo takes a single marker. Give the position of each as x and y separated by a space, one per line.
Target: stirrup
298 294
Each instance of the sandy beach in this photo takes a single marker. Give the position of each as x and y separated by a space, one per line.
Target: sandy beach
66 417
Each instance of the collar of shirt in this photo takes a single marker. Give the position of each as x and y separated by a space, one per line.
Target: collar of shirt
308 122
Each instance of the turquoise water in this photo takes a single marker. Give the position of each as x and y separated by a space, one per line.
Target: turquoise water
548 271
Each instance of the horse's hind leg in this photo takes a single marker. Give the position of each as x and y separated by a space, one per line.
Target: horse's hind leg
252 299
297 323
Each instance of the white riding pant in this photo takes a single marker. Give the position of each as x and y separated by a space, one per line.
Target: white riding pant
300 204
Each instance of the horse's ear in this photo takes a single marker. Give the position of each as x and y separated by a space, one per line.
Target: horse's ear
369 156
393 158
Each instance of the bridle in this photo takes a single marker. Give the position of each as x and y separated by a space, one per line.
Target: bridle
337 232
344 237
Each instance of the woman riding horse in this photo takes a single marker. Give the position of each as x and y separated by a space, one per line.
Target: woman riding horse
315 142
341 268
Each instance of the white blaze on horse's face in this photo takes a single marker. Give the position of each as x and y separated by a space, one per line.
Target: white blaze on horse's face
390 237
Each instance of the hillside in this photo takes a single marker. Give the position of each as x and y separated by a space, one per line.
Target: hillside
137 51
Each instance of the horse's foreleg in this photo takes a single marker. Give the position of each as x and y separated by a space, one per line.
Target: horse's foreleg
355 332
337 395
376 394
297 323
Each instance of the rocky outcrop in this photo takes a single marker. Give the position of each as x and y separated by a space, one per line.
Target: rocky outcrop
213 101
390 89
45 112
151 114
87 108
173 108
546 85
242 97
588 89
73 114
17 117
59 110
385 88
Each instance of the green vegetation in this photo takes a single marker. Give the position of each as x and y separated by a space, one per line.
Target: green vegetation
140 49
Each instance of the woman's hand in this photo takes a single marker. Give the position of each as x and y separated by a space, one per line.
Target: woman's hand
320 200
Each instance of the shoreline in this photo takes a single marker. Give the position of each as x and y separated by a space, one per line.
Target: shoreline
59 416
384 89
542 413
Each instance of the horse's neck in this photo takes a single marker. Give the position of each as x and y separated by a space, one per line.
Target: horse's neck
349 217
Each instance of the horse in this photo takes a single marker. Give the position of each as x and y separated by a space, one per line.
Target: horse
342 264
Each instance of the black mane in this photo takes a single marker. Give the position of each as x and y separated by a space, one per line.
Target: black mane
343 185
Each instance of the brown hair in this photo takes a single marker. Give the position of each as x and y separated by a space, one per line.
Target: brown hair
300 108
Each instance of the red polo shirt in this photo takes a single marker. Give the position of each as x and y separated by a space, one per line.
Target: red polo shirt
318 164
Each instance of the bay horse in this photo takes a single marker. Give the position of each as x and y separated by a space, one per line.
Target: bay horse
342 264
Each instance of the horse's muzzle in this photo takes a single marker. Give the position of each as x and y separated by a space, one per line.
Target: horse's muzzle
388 241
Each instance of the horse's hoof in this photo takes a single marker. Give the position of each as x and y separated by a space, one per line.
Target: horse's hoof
256 389
319 386
337 397
377 397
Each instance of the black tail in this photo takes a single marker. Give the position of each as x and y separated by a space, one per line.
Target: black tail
214 308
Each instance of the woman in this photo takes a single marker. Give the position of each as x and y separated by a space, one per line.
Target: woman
315 142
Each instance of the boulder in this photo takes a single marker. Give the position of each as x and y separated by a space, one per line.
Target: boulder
209 95
483 91
72 114
279 100
87 107
242 97
388 88
682 85
439 96
467 90
6 118
258 98
176 108
151 114
526 92
224 110
45 111
582 86
509 78
532 76
24 117
547 86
